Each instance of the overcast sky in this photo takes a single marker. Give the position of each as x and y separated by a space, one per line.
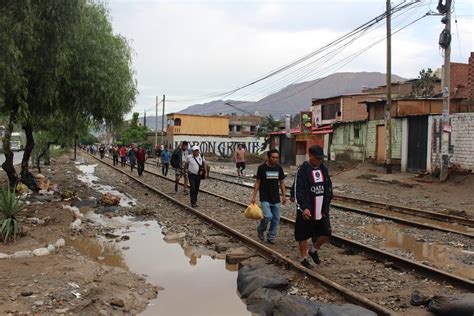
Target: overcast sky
193 48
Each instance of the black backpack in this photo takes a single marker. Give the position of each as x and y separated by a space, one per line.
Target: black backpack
174 161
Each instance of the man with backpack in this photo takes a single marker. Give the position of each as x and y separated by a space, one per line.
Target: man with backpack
195 167
177 162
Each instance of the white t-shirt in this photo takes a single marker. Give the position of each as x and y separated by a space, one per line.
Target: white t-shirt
193 166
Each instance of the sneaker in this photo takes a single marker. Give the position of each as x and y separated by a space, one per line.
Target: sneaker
271 241
305 263
314 255
185 192
261 236
194 205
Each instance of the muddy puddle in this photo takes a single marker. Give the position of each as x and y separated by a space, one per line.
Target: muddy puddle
192 282
456 261
90 180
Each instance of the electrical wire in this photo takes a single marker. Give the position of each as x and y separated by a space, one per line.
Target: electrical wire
279 70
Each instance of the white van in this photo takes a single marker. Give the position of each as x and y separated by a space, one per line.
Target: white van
15 142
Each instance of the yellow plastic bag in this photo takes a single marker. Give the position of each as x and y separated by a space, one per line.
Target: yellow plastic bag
253 211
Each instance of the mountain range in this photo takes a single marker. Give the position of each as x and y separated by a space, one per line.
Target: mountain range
291 99
296 97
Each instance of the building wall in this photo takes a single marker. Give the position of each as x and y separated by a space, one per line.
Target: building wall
345 144
221 146
352 109
461 149
459 80
303 143
396 138
199 125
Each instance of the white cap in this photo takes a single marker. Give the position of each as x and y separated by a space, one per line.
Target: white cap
195 148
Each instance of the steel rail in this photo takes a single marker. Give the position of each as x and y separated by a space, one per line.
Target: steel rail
388 207
374 253
347 293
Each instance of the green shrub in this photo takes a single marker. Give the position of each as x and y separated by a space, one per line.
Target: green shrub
10 206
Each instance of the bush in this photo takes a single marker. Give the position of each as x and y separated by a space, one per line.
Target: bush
10 206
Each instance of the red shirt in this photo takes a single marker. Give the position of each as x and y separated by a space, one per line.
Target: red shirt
123 151
141 154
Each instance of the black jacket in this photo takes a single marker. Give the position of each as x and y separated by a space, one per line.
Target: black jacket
305 190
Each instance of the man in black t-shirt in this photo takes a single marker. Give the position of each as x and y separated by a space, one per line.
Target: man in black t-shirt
270 178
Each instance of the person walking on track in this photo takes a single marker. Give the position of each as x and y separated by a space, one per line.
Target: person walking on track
312 192
141 158
165 161
195 167
270 177
177 162
239 158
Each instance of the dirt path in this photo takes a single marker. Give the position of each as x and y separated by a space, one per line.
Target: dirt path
64 282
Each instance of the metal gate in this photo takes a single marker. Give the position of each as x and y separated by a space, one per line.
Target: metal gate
417 142
287 150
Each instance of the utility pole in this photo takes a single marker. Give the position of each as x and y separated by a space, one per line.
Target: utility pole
387 116
445 42
163 120
156 127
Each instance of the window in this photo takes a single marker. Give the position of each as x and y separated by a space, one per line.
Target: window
177 122
239 128
330 111
356 130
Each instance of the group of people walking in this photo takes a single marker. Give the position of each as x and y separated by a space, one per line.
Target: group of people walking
311 192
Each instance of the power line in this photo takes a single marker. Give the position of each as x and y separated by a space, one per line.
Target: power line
300 60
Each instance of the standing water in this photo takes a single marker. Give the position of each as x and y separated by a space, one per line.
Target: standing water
191 282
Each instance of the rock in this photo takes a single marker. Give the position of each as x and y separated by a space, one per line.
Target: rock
51 248
418 299
234 258
343 310
117 302
41 252
125 247
251 278
221 247
76 225
26 293
461 304
60 243
295 306
174 237
237 255
85 203
4 256
22 254
103 312
38 303
61 310
262 301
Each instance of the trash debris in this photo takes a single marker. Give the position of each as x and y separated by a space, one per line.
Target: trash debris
110 199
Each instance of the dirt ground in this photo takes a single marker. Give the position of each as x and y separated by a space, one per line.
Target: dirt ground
370 181
69 282
65 282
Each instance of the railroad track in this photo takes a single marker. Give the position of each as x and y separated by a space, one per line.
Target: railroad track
372 261
400 214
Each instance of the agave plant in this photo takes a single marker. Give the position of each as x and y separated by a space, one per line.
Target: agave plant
10 206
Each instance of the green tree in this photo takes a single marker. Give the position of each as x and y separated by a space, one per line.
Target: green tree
61 60
134 133
424 86
268 125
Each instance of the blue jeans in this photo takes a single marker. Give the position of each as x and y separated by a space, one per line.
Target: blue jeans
271 213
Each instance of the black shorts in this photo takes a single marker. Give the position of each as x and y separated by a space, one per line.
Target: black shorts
309 228
240 165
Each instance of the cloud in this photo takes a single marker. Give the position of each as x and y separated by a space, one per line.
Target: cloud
188 48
